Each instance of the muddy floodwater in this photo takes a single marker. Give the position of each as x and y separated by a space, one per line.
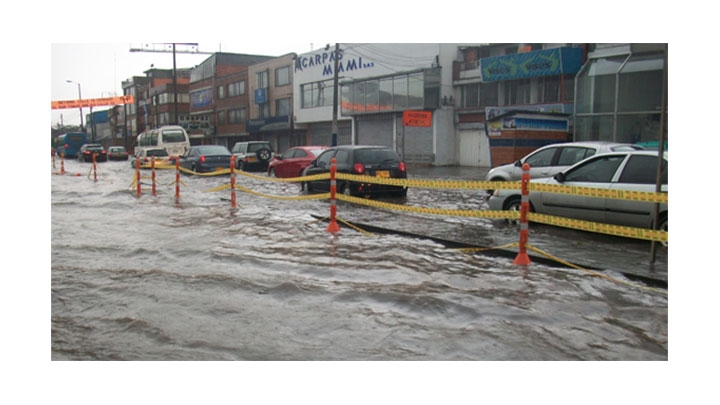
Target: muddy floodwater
152 278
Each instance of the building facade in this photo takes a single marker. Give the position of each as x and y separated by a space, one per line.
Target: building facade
271 105
608 91
376 84
219 96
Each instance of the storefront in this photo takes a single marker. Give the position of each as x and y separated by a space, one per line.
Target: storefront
619 94
376 84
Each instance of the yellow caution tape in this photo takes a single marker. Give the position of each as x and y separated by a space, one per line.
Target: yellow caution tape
433 211
616 230
324 176
600 192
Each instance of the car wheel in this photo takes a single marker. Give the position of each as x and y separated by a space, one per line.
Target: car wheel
271 172
345 189
512 204
193 168
263 154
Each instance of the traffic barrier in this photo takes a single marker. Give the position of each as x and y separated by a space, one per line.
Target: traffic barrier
333 226
137 177
154 188
522 257
233 202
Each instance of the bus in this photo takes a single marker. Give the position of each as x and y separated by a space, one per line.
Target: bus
172 138
69 144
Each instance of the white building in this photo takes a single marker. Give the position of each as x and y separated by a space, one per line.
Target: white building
377 83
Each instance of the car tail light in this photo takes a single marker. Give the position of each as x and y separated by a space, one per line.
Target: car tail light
202 159
66 146
401 166
146 159
359 168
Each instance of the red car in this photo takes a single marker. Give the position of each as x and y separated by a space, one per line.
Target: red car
294 161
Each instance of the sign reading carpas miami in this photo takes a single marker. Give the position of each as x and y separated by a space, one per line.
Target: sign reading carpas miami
546 62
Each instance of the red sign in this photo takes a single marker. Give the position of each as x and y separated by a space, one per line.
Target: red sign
91 102
417 118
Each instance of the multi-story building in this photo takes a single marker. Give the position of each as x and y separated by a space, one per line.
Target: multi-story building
219 97
376 84
607 91
271 106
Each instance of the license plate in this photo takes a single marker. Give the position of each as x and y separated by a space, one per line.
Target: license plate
382 173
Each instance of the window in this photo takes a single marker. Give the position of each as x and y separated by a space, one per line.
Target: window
571 155
236 89
600 170
221 117
282 107
282 76
324 159
262 79
221 92
643 170
517 92
317 94
237 116
542 158
264 110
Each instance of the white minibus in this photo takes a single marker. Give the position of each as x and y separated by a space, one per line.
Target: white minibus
172 138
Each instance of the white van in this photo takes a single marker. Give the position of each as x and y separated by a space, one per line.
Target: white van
172 138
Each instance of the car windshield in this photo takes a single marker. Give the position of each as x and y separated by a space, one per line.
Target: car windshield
212 150
370 156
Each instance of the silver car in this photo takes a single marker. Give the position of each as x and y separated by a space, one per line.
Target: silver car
630 171
551 159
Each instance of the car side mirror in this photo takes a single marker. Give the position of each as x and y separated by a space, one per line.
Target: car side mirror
559 177
518 163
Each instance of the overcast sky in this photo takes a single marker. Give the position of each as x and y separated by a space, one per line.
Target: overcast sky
100 68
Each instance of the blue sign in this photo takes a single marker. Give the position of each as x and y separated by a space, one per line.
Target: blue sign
546 62
261 96
202 98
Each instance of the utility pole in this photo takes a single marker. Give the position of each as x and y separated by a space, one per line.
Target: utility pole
163 47
335 96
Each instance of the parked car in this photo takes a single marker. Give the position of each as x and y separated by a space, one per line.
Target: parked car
550 159
117 153
294 161
252 155
377 161
146 155
629 171
86 152
206 158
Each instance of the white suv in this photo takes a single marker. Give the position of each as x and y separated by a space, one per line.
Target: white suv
252 155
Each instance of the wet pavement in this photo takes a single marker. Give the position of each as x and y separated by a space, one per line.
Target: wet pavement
152 278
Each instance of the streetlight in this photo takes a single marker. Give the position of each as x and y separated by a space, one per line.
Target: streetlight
80 98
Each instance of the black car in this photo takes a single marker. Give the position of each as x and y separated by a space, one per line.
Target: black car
86 152
206 158
376 161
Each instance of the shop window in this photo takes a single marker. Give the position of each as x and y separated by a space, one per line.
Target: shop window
640 84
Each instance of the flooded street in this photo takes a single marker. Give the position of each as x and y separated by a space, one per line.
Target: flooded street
152 278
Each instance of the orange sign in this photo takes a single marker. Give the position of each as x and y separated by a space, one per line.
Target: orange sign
417 118
92 102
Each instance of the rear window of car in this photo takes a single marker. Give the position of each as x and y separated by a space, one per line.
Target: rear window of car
94 147
374 156
157 152
254 147
213 150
